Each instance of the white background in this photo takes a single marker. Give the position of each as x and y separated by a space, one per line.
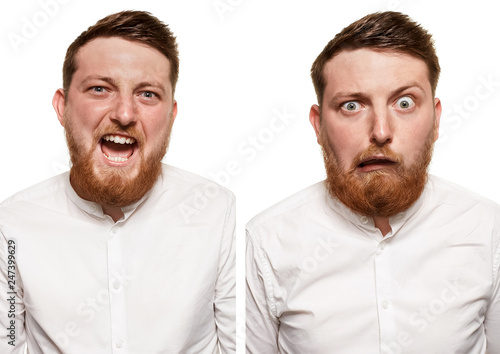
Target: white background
242 62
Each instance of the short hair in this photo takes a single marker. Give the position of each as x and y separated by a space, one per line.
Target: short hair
138 26
381 31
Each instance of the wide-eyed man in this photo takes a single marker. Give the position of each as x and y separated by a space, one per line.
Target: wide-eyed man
104 259
380 257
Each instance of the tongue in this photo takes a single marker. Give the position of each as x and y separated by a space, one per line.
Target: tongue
112 149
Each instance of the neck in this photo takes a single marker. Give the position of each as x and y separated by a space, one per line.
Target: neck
382 223
115 212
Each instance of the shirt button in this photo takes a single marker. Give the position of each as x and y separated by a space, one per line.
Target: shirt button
119 343
116 285
93 208
114 230
385 304
363 220
382 246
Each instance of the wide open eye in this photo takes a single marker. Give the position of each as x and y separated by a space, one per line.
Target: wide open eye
405 103
351 106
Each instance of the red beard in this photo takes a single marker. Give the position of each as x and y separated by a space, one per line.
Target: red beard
377 193
113 187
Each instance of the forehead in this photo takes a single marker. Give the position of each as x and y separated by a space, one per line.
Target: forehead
115 56
373 70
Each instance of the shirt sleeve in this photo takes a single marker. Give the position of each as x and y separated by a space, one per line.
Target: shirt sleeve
492 321
11 303
261 324
225 289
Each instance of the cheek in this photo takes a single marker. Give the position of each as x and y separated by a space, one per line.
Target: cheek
414 144
155 131
346 143
88 116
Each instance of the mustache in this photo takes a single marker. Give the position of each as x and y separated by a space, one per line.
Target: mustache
384 152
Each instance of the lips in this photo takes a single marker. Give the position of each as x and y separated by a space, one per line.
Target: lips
118 148
375 163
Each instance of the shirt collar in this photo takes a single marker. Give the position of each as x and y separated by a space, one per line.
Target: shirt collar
366 222
95 209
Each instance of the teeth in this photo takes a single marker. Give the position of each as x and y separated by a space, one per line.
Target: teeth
116 158
119 139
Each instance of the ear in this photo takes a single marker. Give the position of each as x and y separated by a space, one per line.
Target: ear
59 103
174 111
437 112
315 119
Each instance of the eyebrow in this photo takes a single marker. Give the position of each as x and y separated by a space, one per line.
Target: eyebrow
113 82
100 78
154 84
412 84
359 94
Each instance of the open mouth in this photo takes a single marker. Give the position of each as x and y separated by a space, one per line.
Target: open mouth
375 163
118 148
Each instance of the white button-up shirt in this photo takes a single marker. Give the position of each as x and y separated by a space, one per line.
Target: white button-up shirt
160 280
322 279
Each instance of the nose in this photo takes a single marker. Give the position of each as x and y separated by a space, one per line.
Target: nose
381 129
124 113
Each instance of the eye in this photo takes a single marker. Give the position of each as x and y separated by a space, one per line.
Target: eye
98 89
351 106
149 94
405 103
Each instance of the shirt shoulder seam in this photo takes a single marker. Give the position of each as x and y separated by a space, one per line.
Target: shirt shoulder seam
267 275
286 205
496 264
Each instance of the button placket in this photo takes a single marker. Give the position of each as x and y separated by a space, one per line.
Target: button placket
384 289
119 344
117 304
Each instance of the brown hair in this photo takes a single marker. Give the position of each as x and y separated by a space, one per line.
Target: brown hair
382 31
139 26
